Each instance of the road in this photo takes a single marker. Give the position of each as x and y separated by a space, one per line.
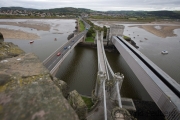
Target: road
53 59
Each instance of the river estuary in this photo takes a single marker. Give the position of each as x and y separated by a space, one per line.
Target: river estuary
79 69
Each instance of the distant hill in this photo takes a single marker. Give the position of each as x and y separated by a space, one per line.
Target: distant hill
16 8
157 14
130 13
69 10
66 10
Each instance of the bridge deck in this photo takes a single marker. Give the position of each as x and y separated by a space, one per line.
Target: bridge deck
101 60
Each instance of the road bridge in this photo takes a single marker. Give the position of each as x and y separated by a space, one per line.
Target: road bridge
161 87
53 62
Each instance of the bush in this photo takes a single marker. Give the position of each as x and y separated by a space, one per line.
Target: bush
127 38
90 32
88 102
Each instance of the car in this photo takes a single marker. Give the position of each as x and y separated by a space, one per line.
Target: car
72 40
58 54
69 47
65 48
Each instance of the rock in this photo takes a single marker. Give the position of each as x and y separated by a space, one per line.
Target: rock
62 86
134 44
78 104
70 36
1 37
27 92
8 50
4 79
121 114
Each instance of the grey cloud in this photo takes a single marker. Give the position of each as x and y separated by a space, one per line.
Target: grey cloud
96 4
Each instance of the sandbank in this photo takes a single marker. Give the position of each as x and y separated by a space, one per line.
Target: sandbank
162 31
18 34
32 24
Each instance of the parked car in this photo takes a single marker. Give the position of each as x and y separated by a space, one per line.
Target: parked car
58 54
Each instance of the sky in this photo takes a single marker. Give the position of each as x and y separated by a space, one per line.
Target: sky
100 5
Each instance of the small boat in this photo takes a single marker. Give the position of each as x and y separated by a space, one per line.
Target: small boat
164 52
31 41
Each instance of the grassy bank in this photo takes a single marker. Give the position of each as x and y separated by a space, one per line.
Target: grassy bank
89 39
81 26
88 101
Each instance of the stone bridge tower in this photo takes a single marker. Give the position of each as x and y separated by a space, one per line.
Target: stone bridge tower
115 30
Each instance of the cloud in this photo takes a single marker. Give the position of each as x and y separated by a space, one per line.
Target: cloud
101 5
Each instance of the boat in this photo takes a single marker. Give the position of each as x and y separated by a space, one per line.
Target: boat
31 41
164 52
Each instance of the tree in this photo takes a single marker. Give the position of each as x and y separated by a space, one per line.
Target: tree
90 32
105 31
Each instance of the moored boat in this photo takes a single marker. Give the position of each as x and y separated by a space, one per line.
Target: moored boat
31 41
164 52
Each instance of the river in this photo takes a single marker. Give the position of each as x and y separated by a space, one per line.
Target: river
79 69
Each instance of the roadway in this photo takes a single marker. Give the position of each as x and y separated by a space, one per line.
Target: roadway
53 59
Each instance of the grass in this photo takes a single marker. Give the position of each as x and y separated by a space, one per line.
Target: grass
89 39
93 34
127 38
81 25
88 102
132 18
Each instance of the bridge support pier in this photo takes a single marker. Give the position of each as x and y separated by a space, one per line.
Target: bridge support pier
84 39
